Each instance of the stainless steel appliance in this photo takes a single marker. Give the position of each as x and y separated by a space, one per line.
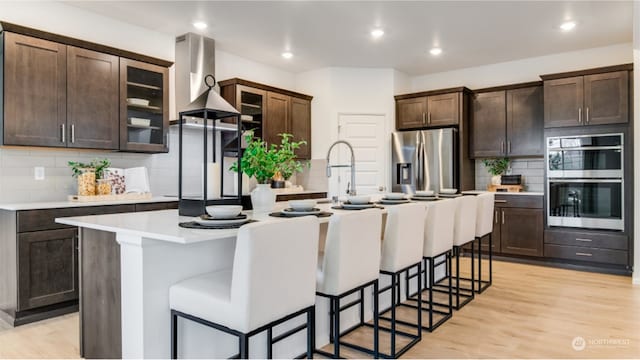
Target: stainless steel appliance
585 183
424 160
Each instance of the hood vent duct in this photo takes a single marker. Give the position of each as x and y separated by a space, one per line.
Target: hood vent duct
195 59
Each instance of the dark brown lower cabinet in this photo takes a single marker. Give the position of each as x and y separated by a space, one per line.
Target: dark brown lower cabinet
39 262
521 231
47 268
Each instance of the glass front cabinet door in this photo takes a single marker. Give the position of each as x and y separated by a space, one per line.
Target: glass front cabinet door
144 107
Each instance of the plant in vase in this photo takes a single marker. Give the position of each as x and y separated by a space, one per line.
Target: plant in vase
261 162
287 163
90 174
497 168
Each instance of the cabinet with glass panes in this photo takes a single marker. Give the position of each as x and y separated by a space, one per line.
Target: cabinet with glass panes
144 120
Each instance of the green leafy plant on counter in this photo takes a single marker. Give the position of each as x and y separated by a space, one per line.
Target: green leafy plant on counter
98 165
496 166
287 163
258 160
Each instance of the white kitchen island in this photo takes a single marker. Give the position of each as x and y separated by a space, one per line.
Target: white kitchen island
156 253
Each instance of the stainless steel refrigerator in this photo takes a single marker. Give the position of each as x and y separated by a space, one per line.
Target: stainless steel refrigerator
424 160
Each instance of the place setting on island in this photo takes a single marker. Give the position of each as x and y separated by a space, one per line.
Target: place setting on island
301 208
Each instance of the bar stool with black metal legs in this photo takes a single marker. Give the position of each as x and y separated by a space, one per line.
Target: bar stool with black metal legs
402 251
271 282
351 263
438 244
464 232
484 228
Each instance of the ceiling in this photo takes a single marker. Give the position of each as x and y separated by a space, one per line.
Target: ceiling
337 33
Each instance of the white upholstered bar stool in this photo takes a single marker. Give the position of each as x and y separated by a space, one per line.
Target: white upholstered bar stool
438 243
484 228
351 263
402 249
272 281
464 233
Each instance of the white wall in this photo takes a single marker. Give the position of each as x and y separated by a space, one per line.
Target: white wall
230 66
525 70
636 135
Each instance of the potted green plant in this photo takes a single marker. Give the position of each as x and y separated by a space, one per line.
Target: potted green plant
497 168
287 162
261 162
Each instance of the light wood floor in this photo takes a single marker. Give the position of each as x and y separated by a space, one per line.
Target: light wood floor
529 312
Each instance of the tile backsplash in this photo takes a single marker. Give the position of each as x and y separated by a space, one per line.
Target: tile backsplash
532 171
17 183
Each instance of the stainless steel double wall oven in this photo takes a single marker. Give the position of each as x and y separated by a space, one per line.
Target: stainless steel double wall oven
585 181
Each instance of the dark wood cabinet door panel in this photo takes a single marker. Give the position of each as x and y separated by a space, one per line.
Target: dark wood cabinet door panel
278 107
521 231
35 76
586 239
47 268
300 125
411 113
606 256
488 125
606 98
563 102
92 99
525 122
443 110
157 206
519 201
37 220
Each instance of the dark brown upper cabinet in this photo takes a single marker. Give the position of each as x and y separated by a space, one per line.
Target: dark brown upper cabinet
144 106
586 99
92 99
508 122
64 92
270 111
429 109
35 92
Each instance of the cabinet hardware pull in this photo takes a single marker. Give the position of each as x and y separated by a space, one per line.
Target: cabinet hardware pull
496 217
62 133
73 133
587 116
502 217
429 118
500 201
580 115
424 118
583 254
502 147
509 147
582 239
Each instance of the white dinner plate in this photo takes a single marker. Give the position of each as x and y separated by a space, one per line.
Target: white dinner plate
393 202
290 211
207 222
349 206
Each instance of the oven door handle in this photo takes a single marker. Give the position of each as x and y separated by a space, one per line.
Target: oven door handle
560 180
613 147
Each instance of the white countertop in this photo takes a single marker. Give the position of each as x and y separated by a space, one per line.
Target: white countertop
163 224
69 204
534 193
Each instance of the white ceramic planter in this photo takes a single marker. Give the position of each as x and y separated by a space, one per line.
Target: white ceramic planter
496 180
263 198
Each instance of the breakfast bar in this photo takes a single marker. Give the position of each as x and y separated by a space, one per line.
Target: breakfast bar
155 253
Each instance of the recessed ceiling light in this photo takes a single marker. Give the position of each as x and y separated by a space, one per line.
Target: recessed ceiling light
287 55
568 25
200 25
377 33
435 51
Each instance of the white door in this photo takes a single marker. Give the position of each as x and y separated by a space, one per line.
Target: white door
367 134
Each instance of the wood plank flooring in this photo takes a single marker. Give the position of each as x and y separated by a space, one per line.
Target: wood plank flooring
529 312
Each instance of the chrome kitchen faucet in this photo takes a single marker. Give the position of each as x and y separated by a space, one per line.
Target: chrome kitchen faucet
351 186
